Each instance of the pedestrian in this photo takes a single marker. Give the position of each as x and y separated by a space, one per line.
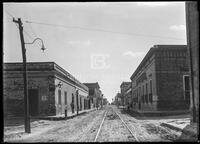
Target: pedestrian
66 111
128 107
72 107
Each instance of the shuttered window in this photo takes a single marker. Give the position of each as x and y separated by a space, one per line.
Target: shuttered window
65 98
59 96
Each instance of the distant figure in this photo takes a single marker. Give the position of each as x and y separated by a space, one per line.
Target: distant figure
65 111
128 107
72 107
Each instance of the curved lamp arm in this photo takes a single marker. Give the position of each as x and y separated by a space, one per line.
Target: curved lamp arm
43 48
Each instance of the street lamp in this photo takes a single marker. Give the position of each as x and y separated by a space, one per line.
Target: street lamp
42 48
27 115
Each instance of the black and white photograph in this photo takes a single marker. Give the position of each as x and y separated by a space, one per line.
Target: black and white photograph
100 71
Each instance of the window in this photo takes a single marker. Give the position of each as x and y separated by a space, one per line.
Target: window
143 94
59 97
72 98
137 94
80 103
72 104
65 98
140 94
150 95
151 86
147 100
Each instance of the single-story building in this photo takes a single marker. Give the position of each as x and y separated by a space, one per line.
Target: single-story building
51 90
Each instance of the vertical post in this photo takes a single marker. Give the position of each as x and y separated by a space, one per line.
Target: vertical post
26 98
192 42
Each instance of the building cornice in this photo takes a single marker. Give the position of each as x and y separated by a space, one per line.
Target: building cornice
152 51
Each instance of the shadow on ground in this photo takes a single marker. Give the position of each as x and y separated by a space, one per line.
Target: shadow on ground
15 121
141 116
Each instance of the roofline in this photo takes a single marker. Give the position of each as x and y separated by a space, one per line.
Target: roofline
150 52
59 67
96 83
125 82
26 62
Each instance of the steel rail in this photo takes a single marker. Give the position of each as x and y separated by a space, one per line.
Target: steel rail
100 126
134 135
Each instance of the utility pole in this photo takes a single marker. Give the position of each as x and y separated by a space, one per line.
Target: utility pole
26 98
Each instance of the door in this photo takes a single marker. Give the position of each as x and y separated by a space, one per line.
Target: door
186 84
33 101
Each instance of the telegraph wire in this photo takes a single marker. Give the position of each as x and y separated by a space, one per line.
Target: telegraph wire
32 30
9 14
101 30
15 23
18 26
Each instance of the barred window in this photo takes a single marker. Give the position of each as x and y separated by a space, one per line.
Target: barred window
65 97
59 96
147 100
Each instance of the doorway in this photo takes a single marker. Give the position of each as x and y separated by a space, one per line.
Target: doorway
33 101
186 88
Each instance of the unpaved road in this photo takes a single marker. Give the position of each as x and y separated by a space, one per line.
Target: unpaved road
113 129
83 128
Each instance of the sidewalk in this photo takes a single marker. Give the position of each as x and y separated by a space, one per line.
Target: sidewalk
62 116
160 113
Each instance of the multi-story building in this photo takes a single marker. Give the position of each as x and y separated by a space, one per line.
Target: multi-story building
123 88
51 90
128 96
161 81
94 94
117 99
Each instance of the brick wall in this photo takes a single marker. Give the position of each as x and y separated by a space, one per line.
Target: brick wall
14 92
170 68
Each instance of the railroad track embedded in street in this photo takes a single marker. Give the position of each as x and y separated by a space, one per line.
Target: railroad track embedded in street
125 125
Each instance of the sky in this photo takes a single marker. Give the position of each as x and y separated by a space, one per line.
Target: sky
100 42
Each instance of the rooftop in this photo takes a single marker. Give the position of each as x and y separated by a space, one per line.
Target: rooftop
152 51
17 66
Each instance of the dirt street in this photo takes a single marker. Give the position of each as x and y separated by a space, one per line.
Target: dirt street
83 128
113 129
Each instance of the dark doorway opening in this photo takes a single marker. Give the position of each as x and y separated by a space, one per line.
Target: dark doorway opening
33 102
186 83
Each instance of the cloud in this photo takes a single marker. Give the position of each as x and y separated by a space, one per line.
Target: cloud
154 4
133 54
177 27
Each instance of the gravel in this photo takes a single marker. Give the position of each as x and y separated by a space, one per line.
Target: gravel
83 128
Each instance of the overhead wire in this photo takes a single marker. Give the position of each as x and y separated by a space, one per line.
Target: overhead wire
102 30
35 35
23 29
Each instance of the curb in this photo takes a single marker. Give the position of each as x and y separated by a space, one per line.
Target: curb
63 118
187 132
171 127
